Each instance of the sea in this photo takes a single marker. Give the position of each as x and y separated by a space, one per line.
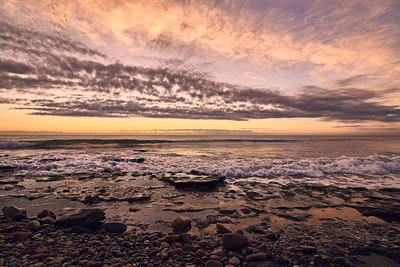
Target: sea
343 161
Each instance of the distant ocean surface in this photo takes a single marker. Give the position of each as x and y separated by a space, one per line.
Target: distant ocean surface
349 161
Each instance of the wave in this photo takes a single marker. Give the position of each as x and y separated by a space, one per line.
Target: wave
370 171
16 145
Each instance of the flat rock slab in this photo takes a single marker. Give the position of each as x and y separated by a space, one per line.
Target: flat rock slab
194 181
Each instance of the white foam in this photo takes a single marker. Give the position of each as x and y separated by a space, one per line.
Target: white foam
370 171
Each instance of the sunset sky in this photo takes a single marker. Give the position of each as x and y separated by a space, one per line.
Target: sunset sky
254 66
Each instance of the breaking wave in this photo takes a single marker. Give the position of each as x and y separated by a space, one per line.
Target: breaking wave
373 171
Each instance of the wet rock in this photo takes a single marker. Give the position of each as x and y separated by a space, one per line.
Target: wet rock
185 238
169 238
85 218
116 227
181 224
213 263
309 249
221 229
41 250
14 213
18 236
47 220
194 182
388 212
257 257
235 241
46 213
175 251
33 225
234 261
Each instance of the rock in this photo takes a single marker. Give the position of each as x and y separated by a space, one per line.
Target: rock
95 264
195 182
235 241
257 257
116 227
175 251
222 229
18 236
14 213
169 238
85 218
47 220
203 243
213 263
234 261
309 249
41 250
185 238
181 224
33 225
46 213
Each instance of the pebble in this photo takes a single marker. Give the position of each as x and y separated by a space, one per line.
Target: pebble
257 257
213 263
234 261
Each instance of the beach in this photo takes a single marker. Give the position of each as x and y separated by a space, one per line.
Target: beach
293 207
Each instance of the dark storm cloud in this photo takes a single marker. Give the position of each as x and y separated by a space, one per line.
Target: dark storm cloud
55 64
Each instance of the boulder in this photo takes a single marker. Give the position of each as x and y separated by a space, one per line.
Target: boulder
47 220
181 224
116 227
84 218
235 241
14 213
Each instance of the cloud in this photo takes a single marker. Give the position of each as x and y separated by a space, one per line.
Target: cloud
52 75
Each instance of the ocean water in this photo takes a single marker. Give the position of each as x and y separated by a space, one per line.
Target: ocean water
346 161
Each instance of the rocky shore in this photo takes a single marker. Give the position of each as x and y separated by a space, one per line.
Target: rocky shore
121 219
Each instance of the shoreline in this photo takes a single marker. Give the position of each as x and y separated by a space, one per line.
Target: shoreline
337 226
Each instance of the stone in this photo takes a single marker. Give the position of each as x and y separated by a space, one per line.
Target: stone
47 220
169 238
256 257
181 223
95 264
85 218
309 249
14 213
235 241
41 250
33 225
18 236
195 181
213 263
185 238
234 261
46 213
221 229
175 251
203 243
116 227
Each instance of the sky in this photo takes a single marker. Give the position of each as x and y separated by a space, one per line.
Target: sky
217 66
